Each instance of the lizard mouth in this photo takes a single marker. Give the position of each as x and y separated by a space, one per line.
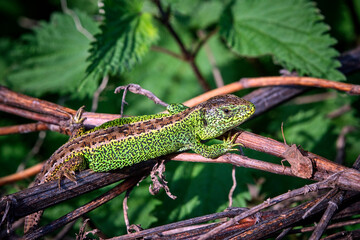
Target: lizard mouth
249 110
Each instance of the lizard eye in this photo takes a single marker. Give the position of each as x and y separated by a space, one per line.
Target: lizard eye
226 110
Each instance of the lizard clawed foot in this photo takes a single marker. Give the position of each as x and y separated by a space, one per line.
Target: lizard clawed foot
230 144
75 123
77 119
69 175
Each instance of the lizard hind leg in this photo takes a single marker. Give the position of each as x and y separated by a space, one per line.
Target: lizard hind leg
69 167
67 170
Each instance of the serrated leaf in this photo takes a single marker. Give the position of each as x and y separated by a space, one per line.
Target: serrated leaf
57 61
291 31
197 14
126 36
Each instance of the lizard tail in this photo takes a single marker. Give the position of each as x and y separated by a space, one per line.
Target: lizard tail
32 220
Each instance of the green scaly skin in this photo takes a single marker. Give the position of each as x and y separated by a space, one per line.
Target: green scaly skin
127 141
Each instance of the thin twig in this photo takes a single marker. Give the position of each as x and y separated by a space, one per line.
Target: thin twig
331 226
88 222
215 70
323 198
340 111
164 19
283 233
167 51
275 81
77 21
64 231
137 89
125 210
35 149
233 187
329 212
184 223
28 114
341 142
99 90
266 204
21 175
319 97
331 209
24 128
204 40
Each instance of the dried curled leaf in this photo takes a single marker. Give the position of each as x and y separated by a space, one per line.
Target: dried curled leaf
301 165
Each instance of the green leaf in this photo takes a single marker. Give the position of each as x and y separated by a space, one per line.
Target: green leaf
56 59
125 38
291 31
196 13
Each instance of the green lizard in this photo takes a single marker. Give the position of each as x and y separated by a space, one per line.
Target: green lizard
127 141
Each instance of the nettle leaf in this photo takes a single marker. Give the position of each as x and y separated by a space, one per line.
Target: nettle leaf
55 60
197 14
291 31
126 36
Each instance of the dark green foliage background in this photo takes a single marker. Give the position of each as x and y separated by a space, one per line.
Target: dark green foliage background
55 62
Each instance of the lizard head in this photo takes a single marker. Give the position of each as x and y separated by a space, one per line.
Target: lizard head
222 113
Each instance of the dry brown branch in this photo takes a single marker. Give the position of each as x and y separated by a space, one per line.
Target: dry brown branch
283 220
266 204
191 228
40 110
333 206
275 81
48 110
179 225
42 196
19 101
24 128
21 175
264 99
329 212
270 146
117 190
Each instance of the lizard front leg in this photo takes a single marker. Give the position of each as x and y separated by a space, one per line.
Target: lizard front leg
214 150
77 124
